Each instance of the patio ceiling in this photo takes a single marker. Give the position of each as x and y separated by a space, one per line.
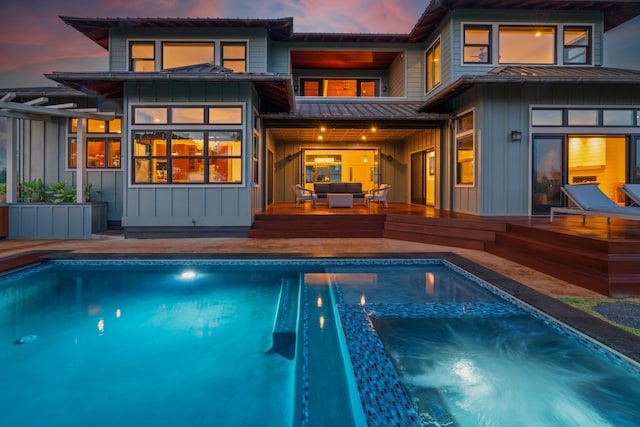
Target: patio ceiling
339 135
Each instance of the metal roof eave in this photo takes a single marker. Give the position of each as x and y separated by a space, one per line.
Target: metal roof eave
467 81
275 90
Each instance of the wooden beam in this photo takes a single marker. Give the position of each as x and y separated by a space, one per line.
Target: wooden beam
33 109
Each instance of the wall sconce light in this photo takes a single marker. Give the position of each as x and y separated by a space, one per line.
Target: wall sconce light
289 157
389 157
516 135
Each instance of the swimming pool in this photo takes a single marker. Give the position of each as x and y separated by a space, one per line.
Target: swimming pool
375 342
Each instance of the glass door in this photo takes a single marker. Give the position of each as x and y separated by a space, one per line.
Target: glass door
418 181
549 173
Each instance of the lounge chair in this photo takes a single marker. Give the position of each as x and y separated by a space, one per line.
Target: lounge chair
591 201
378 195
632 191
304 194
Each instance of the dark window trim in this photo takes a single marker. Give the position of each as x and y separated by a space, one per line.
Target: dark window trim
588 46
488 45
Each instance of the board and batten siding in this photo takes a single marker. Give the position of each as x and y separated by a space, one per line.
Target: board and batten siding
256 39
191 205
503 166
44 154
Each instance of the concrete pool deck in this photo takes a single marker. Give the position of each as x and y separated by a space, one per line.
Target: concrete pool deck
535 288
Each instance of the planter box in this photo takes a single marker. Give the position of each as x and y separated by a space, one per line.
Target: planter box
56 221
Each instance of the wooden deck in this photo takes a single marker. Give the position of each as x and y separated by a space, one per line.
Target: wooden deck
597 255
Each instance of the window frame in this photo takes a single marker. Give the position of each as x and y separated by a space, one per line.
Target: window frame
358 82
245 59
132 60
588 47
206 158
463 135
488 46
433 75
108 136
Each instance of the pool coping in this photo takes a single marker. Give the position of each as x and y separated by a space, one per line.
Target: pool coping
617 339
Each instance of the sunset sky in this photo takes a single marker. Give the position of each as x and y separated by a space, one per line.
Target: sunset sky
34 41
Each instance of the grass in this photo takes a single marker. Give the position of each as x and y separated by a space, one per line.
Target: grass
587 304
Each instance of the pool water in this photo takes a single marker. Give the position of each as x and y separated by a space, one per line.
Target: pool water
375 342
144 347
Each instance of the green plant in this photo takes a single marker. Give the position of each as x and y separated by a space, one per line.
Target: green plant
61 193
32 191
3 191
88 192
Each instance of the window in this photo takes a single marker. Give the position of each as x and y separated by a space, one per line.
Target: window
546 118
617 117
234 56
340 87
181 54
527 45
477 44
142 57
465 150
163 154
102 145
582 117
577 45
433 65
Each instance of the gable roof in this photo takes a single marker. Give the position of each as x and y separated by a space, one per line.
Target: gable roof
535 74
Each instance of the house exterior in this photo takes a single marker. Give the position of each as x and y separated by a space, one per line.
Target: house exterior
484 107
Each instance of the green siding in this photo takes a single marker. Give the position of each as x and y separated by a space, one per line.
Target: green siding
207 205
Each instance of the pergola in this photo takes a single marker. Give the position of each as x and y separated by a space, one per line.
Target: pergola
36 109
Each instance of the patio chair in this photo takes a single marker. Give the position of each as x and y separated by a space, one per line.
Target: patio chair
304 194
378 195
632 191
591 201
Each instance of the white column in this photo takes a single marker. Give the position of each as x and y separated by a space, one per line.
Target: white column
12 159
81 166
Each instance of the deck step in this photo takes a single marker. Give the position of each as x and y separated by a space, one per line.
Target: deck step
460 233
317 226
602 266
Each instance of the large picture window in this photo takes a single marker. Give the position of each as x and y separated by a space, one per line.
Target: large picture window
181 54
433 65
527 45
169 154
465 150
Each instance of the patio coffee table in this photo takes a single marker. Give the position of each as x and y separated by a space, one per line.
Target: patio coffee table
340 200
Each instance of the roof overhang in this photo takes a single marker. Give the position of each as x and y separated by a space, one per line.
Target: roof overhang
535 75
350 112
97 29
615 12
275 90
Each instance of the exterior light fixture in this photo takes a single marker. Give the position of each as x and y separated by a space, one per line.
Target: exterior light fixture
516 135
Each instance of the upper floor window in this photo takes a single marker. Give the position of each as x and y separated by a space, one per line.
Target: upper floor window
527 45
477 44
433 65
142 56
577 45
181 54
234 56
339 87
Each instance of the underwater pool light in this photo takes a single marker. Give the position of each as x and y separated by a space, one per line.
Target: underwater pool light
188 275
